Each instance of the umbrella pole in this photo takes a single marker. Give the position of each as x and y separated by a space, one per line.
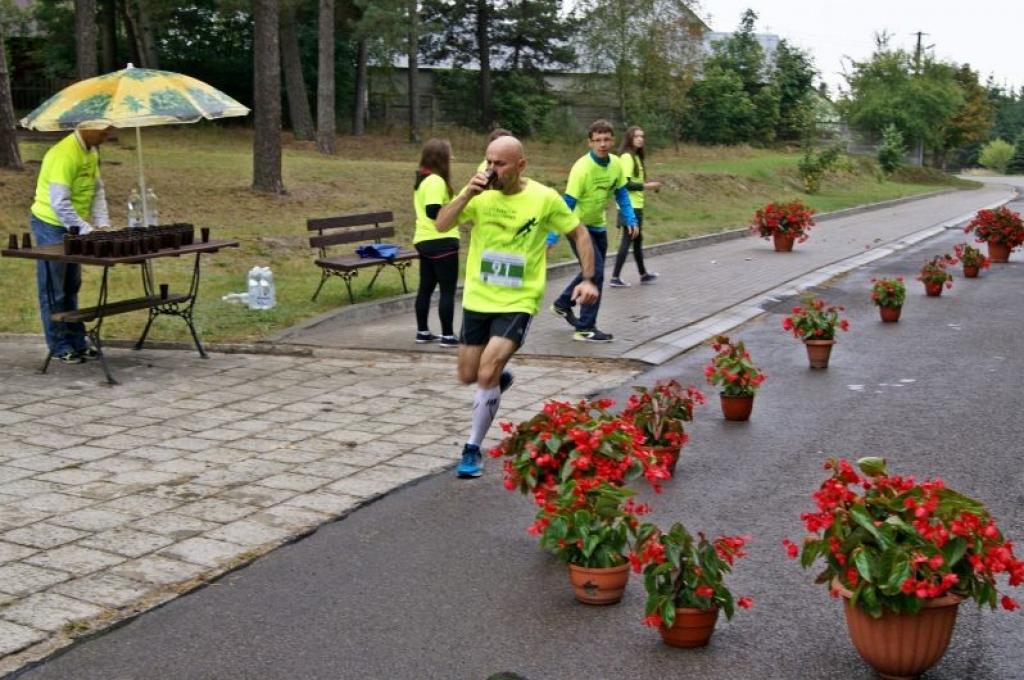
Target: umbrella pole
144 220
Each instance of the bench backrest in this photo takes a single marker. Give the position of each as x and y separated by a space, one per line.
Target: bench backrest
332 231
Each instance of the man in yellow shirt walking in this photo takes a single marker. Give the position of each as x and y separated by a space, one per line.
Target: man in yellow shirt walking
69 195
505 275
594 178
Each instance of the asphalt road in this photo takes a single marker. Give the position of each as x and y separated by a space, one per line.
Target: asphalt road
440 580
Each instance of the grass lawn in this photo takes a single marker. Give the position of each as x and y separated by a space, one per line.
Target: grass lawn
202 173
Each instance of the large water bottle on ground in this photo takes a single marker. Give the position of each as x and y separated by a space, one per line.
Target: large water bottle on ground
134 209
262 294
152 208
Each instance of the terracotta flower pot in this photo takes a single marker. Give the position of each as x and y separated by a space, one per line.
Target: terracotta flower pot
971 272
599 586
692 627
902 645
998 252
783 242
890 314
736 408
932 289
818 352
668 454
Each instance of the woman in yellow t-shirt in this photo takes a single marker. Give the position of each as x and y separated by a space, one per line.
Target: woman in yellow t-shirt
439 252
632 159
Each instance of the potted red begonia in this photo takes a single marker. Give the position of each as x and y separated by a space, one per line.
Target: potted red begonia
660 413
889 295
972 259
685 582
816 323
784 223
1001 228
733 370
903 555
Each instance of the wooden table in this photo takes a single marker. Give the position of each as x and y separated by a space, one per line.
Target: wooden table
174 304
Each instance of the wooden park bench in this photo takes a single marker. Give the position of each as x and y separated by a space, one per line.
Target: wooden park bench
363 228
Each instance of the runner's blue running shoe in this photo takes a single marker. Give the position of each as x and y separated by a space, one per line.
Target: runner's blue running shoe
472 464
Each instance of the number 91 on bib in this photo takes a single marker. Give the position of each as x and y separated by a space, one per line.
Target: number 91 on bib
502 269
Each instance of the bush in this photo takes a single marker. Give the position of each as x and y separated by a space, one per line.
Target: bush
1016 164
996 155
813 166
890 154
521 101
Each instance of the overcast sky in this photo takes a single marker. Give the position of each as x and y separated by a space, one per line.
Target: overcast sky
987 34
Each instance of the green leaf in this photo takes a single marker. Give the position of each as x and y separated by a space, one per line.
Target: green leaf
553 444
668 612
954 551
860 516
872 466
863 562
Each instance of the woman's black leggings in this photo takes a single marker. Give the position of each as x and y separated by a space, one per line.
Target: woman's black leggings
638 250
439 265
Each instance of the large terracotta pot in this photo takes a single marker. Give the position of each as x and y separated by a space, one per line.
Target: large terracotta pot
692 627
890 314
932 289
669 455
971 272
818 352
998 252
736 408
599 586
902 645
783 242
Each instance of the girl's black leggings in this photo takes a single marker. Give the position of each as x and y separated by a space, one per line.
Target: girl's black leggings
638 249
439 266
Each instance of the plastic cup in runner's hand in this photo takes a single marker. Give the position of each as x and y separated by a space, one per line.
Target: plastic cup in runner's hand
492 175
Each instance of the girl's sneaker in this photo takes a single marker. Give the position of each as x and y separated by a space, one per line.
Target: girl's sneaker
649 278
618 283
448 341
423 337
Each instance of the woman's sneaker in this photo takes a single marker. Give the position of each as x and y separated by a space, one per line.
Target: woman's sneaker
423 337
448 341
618 283
649 278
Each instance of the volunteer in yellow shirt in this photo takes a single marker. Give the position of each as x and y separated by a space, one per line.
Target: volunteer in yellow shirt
632 159
439 252
505 275
69 194
593 180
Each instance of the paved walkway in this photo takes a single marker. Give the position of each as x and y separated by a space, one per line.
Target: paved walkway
694 285
116 499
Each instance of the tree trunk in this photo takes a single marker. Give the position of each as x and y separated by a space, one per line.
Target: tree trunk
413 72
266 152
85 38
9 154
147 34
483 42
108 36
362 88
131 31
325 120
294 83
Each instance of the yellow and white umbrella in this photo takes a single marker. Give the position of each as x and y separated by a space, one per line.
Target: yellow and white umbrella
132 97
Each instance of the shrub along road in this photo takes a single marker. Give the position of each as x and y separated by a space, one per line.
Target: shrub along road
440 580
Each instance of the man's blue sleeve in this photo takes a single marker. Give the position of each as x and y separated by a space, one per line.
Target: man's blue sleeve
570 201
625 206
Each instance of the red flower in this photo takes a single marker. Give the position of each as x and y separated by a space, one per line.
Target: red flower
745 602
704 591
654 621
791 548
1009 604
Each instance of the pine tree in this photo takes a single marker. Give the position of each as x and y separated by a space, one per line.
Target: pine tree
1016 164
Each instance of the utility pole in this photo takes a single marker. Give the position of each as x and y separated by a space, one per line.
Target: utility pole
919 151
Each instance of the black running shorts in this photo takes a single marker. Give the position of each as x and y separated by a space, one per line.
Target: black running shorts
479 327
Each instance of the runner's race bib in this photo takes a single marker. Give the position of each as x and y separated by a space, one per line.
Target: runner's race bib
502 269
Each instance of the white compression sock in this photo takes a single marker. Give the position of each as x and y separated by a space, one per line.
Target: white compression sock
485 407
